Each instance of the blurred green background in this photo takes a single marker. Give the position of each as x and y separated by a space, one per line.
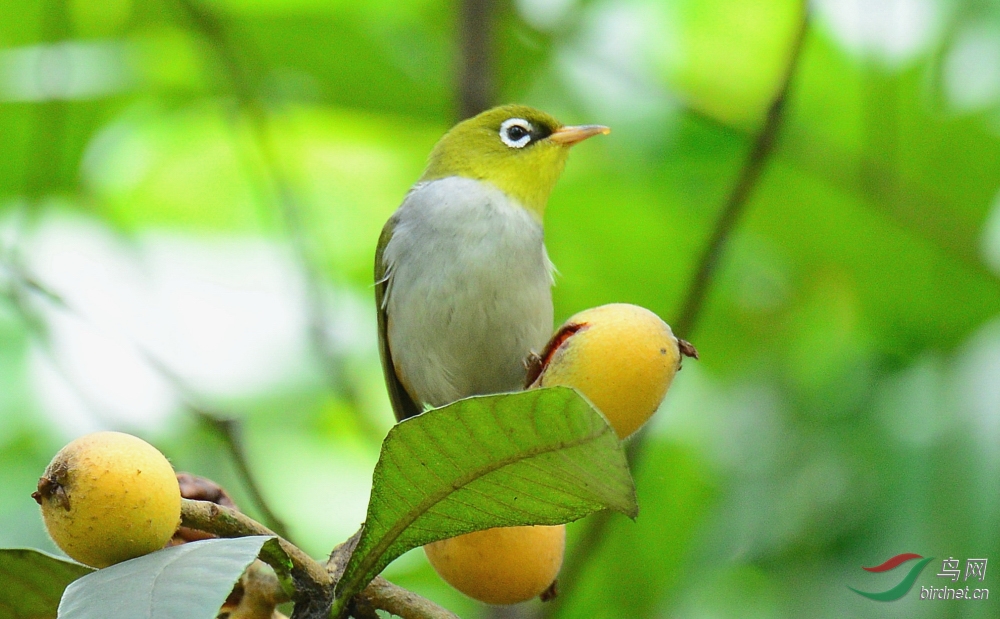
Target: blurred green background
191 192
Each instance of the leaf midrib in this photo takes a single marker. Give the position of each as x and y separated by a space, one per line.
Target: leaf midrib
393 533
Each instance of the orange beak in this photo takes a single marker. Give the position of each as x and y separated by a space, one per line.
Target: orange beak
568 136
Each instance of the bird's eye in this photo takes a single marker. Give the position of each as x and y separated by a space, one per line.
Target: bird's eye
516 132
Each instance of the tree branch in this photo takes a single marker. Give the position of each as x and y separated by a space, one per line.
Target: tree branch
384 595
310 577
739 195
230 430
475 77
228 427
729 217
226 522
284 196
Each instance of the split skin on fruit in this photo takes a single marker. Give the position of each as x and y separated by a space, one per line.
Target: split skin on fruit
622 357
504 565
108 497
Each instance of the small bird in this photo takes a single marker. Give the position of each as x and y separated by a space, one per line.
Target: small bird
463 284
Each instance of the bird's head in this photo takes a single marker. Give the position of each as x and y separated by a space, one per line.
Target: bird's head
518 149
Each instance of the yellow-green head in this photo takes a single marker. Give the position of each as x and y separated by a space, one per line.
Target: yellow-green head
517 148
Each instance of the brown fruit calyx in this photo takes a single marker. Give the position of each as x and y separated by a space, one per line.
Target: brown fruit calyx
52 485
687 349
551 593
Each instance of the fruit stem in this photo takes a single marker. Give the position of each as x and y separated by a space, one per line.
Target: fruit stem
401 602
313 581
309 576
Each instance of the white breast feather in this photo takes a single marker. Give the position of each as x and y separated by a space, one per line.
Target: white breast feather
468 293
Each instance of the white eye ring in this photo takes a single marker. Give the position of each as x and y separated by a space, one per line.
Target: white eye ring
516 132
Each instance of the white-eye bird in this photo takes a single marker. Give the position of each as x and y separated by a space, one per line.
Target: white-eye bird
463 284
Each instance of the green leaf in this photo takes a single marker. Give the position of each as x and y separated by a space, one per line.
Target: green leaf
190 581
31 582
543 456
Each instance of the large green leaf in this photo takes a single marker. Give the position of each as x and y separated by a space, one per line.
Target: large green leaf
190 581
544 456
31 582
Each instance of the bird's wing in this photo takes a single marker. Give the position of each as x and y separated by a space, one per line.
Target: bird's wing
403 405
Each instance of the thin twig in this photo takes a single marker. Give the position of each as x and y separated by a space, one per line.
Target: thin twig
226 425
36 328
739 196
230 430
475 77
730 215
308 574
286 198
227 522
384 595
313 585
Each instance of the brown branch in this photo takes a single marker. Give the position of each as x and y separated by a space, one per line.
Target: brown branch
384 595
230 430
311 577
225 522
916 209
313 586
475 77
729 217
739 196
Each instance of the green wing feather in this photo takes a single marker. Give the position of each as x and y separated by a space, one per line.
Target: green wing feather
403 405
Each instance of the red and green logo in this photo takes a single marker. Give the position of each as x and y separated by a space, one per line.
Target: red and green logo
904 585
